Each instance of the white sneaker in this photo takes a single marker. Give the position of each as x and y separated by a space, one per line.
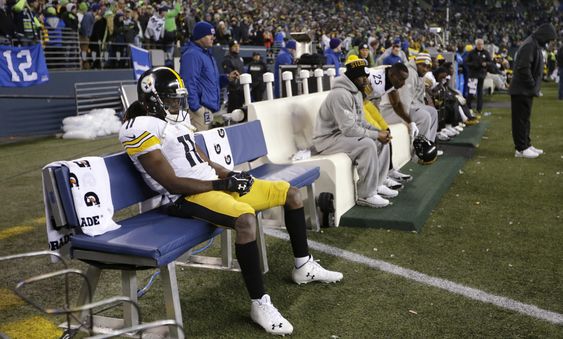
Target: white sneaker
442 136
398 176
313 271
459 128
452 130
392 184
386 192
448 132
527 153
373 201
536 150
266 315
439 153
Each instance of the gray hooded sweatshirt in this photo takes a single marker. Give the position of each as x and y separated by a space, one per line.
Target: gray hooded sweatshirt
342 112
528 63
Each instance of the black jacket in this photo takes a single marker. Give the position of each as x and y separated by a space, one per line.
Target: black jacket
527 69
474 62
233 62
560 56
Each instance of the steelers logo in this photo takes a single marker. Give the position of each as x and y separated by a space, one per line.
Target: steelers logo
147 84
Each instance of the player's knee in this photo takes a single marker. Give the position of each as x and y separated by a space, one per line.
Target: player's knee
293 199
245 226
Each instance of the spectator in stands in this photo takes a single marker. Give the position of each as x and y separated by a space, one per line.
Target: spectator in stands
54 26
7 28
155 30
86 26
26 21
560 68
340 127
207 191
525 85
199 71
396 54
256 69
412 108
69 16
222 34
333 54
285 57
170 29
362 51
98 33
478 61
234 62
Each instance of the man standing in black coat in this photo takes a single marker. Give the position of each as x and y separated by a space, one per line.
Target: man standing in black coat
560 65
257 68
478 61
525 85
234 62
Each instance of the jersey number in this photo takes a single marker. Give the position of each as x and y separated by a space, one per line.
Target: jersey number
377 79
189 147
23 66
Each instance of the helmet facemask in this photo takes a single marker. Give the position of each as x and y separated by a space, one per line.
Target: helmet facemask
175 106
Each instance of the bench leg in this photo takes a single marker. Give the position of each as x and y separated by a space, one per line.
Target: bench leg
129 289
226 248
93 275
172 298
312 208
261 241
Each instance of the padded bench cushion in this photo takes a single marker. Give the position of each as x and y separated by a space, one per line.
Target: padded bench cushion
151 235
297 176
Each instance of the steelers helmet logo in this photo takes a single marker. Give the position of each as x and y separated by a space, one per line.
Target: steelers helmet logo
147 84
91 199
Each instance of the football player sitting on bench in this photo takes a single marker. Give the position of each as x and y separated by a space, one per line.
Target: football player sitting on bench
158 138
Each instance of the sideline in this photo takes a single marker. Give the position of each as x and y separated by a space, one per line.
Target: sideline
450 286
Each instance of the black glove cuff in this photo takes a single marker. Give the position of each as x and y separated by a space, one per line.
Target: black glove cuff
220 185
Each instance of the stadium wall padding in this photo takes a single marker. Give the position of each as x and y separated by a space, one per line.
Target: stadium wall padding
27 116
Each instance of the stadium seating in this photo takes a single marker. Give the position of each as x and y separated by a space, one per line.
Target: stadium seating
337 175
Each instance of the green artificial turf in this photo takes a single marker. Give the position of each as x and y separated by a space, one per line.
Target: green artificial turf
498 228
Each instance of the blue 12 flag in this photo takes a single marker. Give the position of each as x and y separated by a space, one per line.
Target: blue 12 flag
141 60
22 66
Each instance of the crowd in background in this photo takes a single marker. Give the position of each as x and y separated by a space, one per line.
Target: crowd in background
163 24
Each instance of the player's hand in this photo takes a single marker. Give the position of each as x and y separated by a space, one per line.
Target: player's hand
384 137
239 182
233 75
413 130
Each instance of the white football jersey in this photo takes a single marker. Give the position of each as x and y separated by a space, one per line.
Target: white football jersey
145 134
377 81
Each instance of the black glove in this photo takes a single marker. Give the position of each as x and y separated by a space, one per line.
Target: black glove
239 182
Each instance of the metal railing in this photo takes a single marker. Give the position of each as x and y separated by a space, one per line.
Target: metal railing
100 94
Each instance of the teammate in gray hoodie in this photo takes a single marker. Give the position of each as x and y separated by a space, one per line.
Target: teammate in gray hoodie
341 128
525 85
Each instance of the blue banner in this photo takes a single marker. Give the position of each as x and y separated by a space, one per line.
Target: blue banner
22 66
141 60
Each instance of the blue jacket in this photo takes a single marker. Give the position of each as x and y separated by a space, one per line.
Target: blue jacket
333 59
284 58
392 59
201 76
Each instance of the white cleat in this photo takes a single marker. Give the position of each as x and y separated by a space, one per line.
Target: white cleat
536 150
263 312
400 177
313 271
392 184
374 201
386 192
527 153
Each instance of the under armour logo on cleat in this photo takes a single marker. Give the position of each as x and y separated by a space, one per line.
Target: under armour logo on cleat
312 276
274 326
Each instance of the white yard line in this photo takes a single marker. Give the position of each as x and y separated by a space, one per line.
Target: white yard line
444 284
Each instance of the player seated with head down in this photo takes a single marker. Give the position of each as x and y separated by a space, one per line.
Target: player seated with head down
158 139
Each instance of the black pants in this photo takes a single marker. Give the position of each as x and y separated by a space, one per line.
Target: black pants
235 99
521 110
479 95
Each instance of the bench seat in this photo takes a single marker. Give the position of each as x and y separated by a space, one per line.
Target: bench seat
153 235
297 176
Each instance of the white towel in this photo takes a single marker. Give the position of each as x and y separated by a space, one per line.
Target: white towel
90 188
218 147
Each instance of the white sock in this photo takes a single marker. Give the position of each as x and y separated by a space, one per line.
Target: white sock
301 261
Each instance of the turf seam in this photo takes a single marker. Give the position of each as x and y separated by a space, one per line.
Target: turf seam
444 284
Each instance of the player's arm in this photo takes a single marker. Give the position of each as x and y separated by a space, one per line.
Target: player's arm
395 101
158 167
222 172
